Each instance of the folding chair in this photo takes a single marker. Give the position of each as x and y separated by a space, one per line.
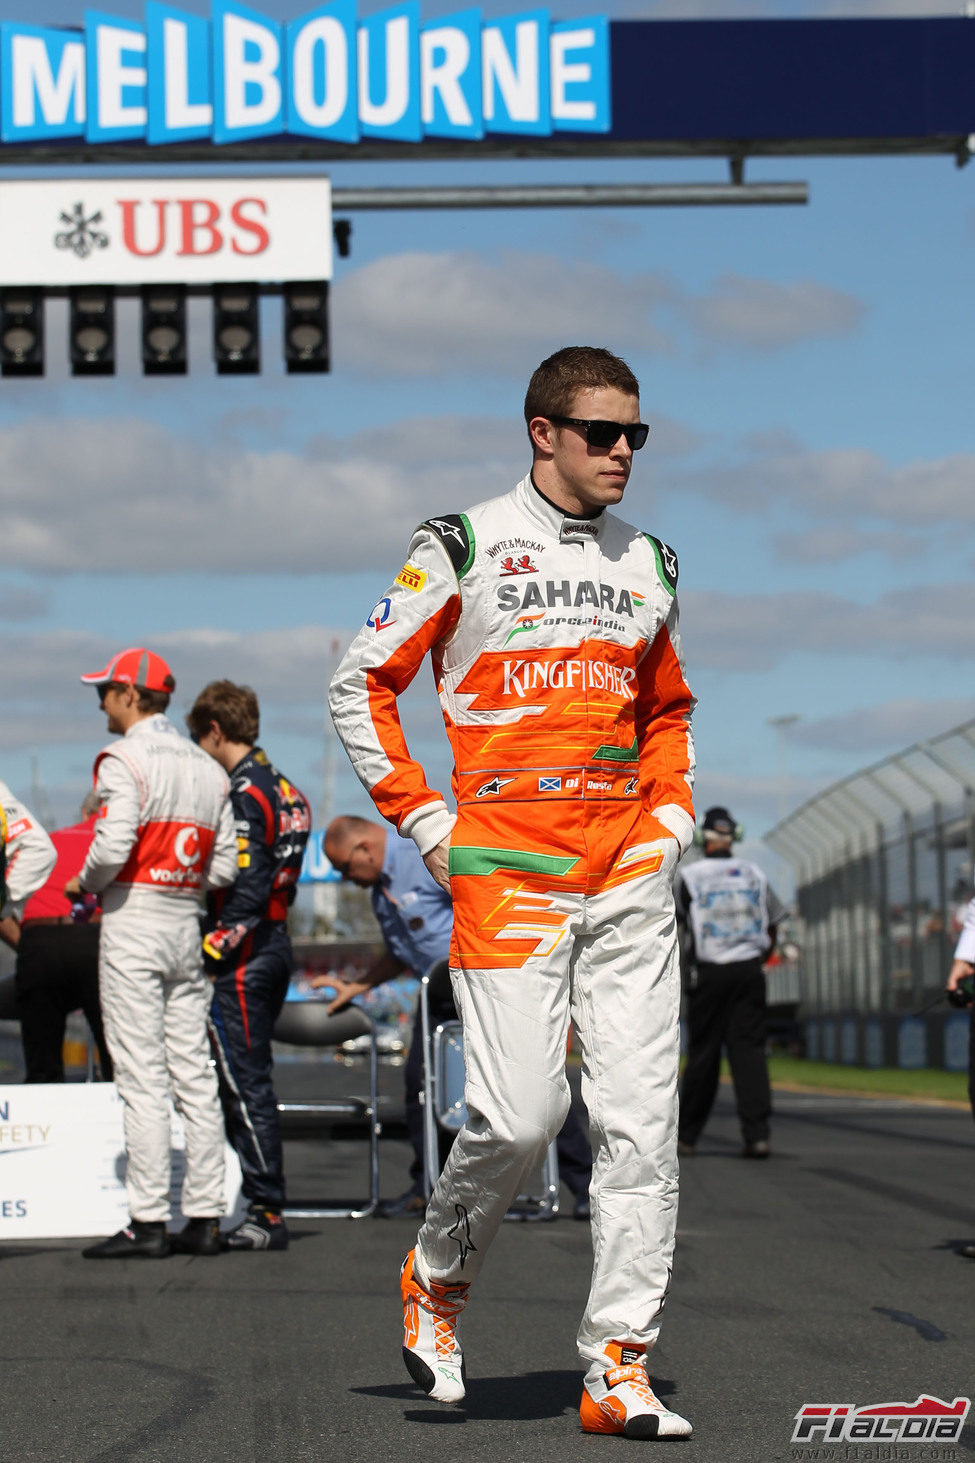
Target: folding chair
443 1098
307 1023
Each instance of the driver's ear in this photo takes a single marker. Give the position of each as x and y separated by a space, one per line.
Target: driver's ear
540 429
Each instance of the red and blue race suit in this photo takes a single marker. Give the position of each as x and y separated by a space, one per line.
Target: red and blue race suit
248 954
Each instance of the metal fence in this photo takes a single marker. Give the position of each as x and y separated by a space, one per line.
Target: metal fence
883 863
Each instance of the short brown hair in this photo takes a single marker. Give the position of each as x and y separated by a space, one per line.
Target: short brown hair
154 701
234 708
553 386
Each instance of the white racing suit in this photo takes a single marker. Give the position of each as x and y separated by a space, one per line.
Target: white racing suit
558 665
165 832
30 854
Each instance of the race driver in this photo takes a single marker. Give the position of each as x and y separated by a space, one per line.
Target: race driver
552 628
247 950
164 834
27 857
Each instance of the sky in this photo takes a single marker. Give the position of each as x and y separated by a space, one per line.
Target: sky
806 371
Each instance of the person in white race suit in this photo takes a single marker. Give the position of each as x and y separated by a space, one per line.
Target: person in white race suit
164 834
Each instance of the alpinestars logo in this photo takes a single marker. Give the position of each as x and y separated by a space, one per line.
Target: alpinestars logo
461 1232
925 1420
448 530
492 789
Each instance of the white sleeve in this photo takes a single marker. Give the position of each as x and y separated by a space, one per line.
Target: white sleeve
117 828
30 854
221 871
965 949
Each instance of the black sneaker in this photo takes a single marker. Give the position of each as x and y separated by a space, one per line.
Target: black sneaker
198 1237
263 1229
410 1205
143 1240
758 1149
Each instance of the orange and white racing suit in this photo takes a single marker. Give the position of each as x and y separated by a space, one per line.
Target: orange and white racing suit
558 665
165 833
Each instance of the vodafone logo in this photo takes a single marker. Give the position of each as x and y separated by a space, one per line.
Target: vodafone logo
187 847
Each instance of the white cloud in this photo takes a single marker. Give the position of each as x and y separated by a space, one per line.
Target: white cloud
765 315
430 314
753 632
132 495
843 483
892 726
454 312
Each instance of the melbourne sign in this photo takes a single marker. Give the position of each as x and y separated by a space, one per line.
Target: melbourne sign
91 230
329 75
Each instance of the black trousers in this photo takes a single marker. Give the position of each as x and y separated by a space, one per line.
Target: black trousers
575 1154
57 972
247 1000
726 1008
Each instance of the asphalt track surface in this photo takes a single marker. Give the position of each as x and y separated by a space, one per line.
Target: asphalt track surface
828 1274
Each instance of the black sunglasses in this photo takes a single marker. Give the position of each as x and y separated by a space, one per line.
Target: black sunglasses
607 434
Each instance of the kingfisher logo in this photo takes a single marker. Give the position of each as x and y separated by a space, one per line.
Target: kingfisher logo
924 1421
327 74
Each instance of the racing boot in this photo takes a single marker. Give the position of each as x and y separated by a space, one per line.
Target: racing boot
142 1240
618 1398
430 1347
197 1237
263 1229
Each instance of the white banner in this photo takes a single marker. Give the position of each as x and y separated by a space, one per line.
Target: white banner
132 231
62 1162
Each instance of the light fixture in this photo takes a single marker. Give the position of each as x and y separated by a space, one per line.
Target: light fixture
21 332
342 234
236 329
91 330
306 326
164 330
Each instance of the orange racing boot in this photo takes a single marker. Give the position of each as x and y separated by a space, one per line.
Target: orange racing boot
430 1347
620 1399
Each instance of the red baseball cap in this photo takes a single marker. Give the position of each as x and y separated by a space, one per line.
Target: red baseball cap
136 667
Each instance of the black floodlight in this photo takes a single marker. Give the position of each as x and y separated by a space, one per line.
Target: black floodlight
306 326
236 329
21 332
91 330
164 330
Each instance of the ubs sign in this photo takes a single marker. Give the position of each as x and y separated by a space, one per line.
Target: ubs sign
131 231
240 75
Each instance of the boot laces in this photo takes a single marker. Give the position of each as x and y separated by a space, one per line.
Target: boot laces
635 1377
444 1311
